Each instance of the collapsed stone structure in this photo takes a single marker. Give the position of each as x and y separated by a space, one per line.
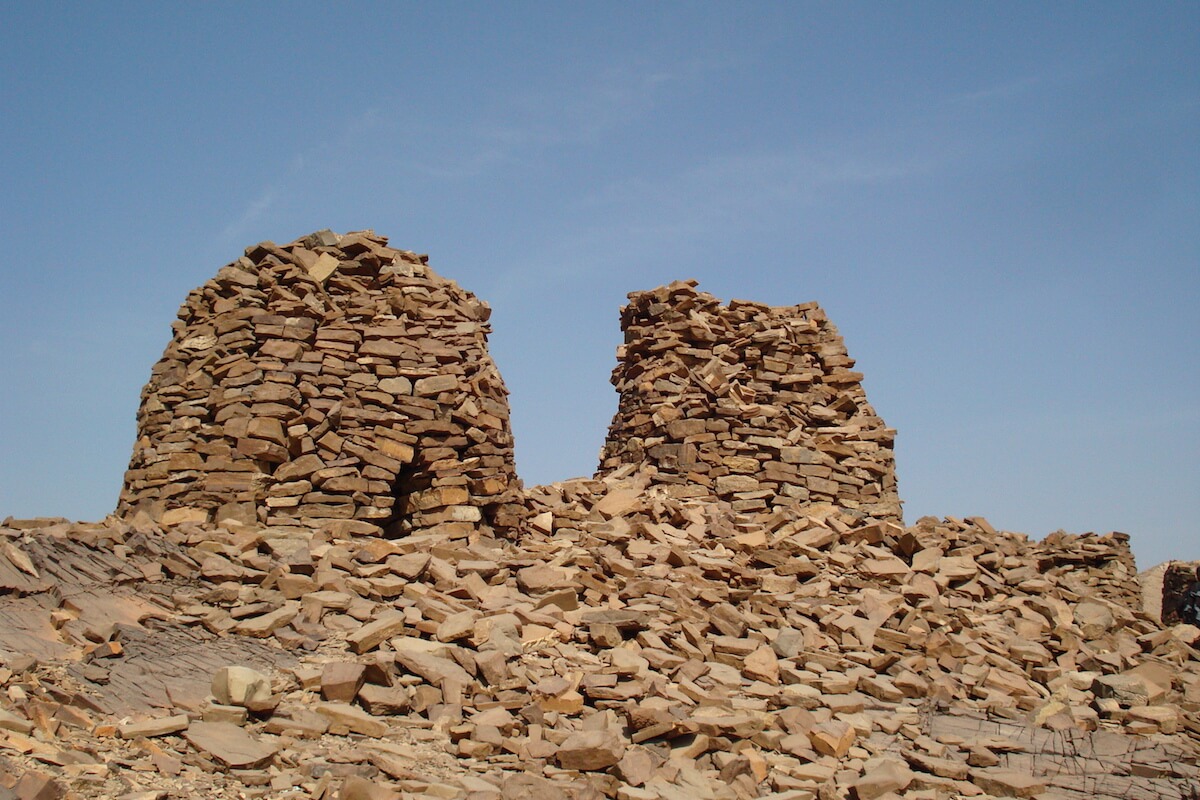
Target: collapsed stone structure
754 404
331 382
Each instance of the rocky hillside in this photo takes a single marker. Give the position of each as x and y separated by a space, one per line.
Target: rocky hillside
373 607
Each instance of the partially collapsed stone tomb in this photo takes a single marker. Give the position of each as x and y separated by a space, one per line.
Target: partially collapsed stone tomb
333 382
754 404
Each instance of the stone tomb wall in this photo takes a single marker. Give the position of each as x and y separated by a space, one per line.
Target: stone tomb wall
755 404
335 382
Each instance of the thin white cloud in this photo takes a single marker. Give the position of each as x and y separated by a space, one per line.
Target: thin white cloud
318 156
520 127
254 211
458 164
997 92
637 219
1061 76
747 190
585 114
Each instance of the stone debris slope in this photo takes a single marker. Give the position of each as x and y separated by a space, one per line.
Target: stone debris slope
630 644
640 634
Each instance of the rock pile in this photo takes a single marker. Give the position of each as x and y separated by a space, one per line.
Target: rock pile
243 630
754 404
627 644
332 382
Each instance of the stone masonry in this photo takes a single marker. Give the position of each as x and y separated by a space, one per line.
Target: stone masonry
755 404
333 382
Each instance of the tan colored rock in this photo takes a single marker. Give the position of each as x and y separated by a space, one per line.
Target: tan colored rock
383 701
637 766
323 267
356 788
235 715
1156 677
762 665
11 722
1007 783
340 681
179 516
539 578
350 718
832 738
162 726
717 722
456 626
437 671
1125 689
942 767
298 723
881 776
372 635
230 745
241 686
34 785
266 624
590 750
1165 719
1093 618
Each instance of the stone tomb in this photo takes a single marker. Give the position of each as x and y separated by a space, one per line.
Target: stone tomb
750 403
332 382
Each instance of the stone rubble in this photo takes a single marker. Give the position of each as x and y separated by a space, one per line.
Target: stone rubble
639 634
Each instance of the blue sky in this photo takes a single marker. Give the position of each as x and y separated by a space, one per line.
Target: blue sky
997 203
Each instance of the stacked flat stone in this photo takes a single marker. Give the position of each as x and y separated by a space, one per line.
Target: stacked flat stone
1171 592
331 382
754 404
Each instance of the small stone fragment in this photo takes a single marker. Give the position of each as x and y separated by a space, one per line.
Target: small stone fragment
340 681
241 686
154 727
1007 783
881 776
376 633
35 785
832 738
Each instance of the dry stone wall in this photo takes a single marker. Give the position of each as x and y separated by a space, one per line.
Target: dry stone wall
755 404
335 382
1171 592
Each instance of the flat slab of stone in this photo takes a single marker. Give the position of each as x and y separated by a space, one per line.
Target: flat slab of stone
154 727
1007 783
229 744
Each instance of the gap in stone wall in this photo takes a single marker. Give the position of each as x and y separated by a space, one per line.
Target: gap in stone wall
410 481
